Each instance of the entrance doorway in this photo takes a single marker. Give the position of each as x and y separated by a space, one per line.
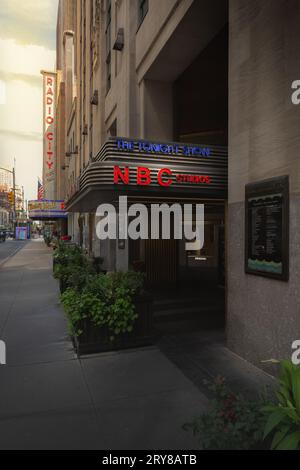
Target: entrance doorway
161 262
188 287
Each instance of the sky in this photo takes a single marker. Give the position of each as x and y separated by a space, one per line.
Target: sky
27 46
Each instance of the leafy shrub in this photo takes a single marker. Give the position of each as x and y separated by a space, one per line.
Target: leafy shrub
97 264
47 239
65 254
283 421
71 267
105 300
233 422
80 307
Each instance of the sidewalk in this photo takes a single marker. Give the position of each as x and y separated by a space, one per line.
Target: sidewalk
51 400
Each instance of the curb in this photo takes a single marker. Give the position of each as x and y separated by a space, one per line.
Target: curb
2 263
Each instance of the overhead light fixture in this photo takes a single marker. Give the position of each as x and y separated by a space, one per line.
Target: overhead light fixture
119 42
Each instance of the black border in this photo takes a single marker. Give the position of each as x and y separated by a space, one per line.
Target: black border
263 188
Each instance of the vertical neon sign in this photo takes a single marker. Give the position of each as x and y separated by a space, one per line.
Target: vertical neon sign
49 126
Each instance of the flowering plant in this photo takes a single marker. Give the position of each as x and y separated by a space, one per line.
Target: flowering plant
233 422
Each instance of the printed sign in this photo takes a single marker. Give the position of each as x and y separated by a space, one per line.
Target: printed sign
267 228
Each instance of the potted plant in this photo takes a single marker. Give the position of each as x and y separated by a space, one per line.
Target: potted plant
47 239
111 312
71 267
232 422
97 262
283 423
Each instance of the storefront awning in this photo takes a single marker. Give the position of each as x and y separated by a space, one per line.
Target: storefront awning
46 209
148 169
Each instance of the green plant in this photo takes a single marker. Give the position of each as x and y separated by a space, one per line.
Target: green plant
47 239
71 267
283 421
122 287
78 307
65 254
105 300
97 264
233 422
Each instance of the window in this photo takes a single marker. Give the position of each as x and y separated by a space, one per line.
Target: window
108 46
143 6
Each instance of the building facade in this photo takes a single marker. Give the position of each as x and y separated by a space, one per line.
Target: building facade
263 314
152 84
6 197
4 218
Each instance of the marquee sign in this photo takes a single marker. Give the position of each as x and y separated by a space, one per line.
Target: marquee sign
163 148
49 117
145 168
46 209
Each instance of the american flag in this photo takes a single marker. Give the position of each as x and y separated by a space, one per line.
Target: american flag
40 191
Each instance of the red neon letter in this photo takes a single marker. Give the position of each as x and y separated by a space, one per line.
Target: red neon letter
143 176
118 173
159 177
50 135
49 120
49 81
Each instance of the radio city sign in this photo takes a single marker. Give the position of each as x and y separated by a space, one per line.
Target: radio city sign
165 177
49 157
49 121
162 148
46 209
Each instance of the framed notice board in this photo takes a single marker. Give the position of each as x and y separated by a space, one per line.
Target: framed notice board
267 228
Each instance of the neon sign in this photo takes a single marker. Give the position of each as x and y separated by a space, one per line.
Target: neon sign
46 209
164 177
49 134
161 148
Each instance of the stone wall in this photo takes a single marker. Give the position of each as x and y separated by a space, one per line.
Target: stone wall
263 315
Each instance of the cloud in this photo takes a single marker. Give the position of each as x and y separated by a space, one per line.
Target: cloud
21 135
33 80
29 21
27 46
24 59
28 161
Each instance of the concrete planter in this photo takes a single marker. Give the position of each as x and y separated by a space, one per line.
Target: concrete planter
97 339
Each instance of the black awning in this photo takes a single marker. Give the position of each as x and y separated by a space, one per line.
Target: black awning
181 171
